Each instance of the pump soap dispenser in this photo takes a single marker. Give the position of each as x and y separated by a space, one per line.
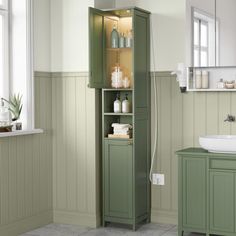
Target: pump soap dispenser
126 105
117 104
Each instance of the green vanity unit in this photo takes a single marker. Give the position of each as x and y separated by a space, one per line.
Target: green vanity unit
207 192
125 161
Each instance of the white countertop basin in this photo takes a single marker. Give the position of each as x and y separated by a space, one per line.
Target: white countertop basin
218 143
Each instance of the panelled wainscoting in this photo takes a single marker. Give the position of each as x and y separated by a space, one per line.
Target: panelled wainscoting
66 157
26 170
182 118
76 192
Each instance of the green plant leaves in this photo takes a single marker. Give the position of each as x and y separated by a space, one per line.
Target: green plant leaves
15 106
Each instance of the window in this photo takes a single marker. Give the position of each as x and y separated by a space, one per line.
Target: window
205 46
16 70
201 49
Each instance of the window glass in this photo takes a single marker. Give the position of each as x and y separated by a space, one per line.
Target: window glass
196 33
203 58
1 56
19 54
196 57
204 30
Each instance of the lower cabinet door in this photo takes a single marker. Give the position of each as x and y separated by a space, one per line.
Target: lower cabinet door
222 202
194 193
118 176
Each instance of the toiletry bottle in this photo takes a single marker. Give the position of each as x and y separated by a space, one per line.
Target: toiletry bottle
205 79
128 39
117 104
198 79
122 40
114 38
126 105
4 114
221 84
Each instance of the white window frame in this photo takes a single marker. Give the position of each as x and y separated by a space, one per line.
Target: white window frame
29 64
6 68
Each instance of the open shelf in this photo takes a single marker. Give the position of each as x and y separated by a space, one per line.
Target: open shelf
117 114
211 90
215 75
118 49
121 139
117 89
109 96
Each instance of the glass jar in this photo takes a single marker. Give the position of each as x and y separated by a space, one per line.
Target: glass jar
117 77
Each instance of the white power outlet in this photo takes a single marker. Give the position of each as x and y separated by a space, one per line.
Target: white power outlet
158 179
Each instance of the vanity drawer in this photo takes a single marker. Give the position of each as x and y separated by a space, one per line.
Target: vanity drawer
223 164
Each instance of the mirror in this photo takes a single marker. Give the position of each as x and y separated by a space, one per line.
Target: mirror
211 33
226 32
202 44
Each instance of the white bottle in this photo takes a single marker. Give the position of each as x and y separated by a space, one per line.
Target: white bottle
221 84
129 39
4 114
126 105
117 105
198 79
205 79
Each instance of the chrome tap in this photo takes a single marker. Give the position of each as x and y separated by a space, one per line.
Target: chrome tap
230 118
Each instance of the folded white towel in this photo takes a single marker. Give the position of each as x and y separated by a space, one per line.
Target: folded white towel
121 126
121 132
123 129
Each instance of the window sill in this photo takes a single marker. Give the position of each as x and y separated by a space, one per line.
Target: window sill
20 132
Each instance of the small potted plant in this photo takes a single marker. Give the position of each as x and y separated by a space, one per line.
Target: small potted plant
15 107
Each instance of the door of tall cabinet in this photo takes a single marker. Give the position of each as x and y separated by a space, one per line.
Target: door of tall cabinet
126 161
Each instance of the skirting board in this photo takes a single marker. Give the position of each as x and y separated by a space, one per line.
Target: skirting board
27 224
74 218
164 217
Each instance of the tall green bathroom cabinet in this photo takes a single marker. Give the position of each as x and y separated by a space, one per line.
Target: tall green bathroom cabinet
125 161
207 192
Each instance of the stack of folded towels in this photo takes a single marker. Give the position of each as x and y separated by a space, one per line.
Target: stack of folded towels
121 131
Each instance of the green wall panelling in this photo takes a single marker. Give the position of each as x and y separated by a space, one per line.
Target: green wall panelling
26 170
76 152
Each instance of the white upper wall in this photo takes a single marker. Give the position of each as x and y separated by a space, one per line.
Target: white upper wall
42 41
69 35
68 32
104 4
167 28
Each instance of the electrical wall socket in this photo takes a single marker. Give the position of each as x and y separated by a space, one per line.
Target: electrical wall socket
158 179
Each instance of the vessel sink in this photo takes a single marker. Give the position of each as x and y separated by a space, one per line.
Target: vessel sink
218 143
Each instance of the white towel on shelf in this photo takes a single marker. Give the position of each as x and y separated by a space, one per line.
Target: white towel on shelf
121 126
121 132
118 129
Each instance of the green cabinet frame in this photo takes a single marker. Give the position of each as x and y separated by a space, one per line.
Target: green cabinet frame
125 162
206 192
